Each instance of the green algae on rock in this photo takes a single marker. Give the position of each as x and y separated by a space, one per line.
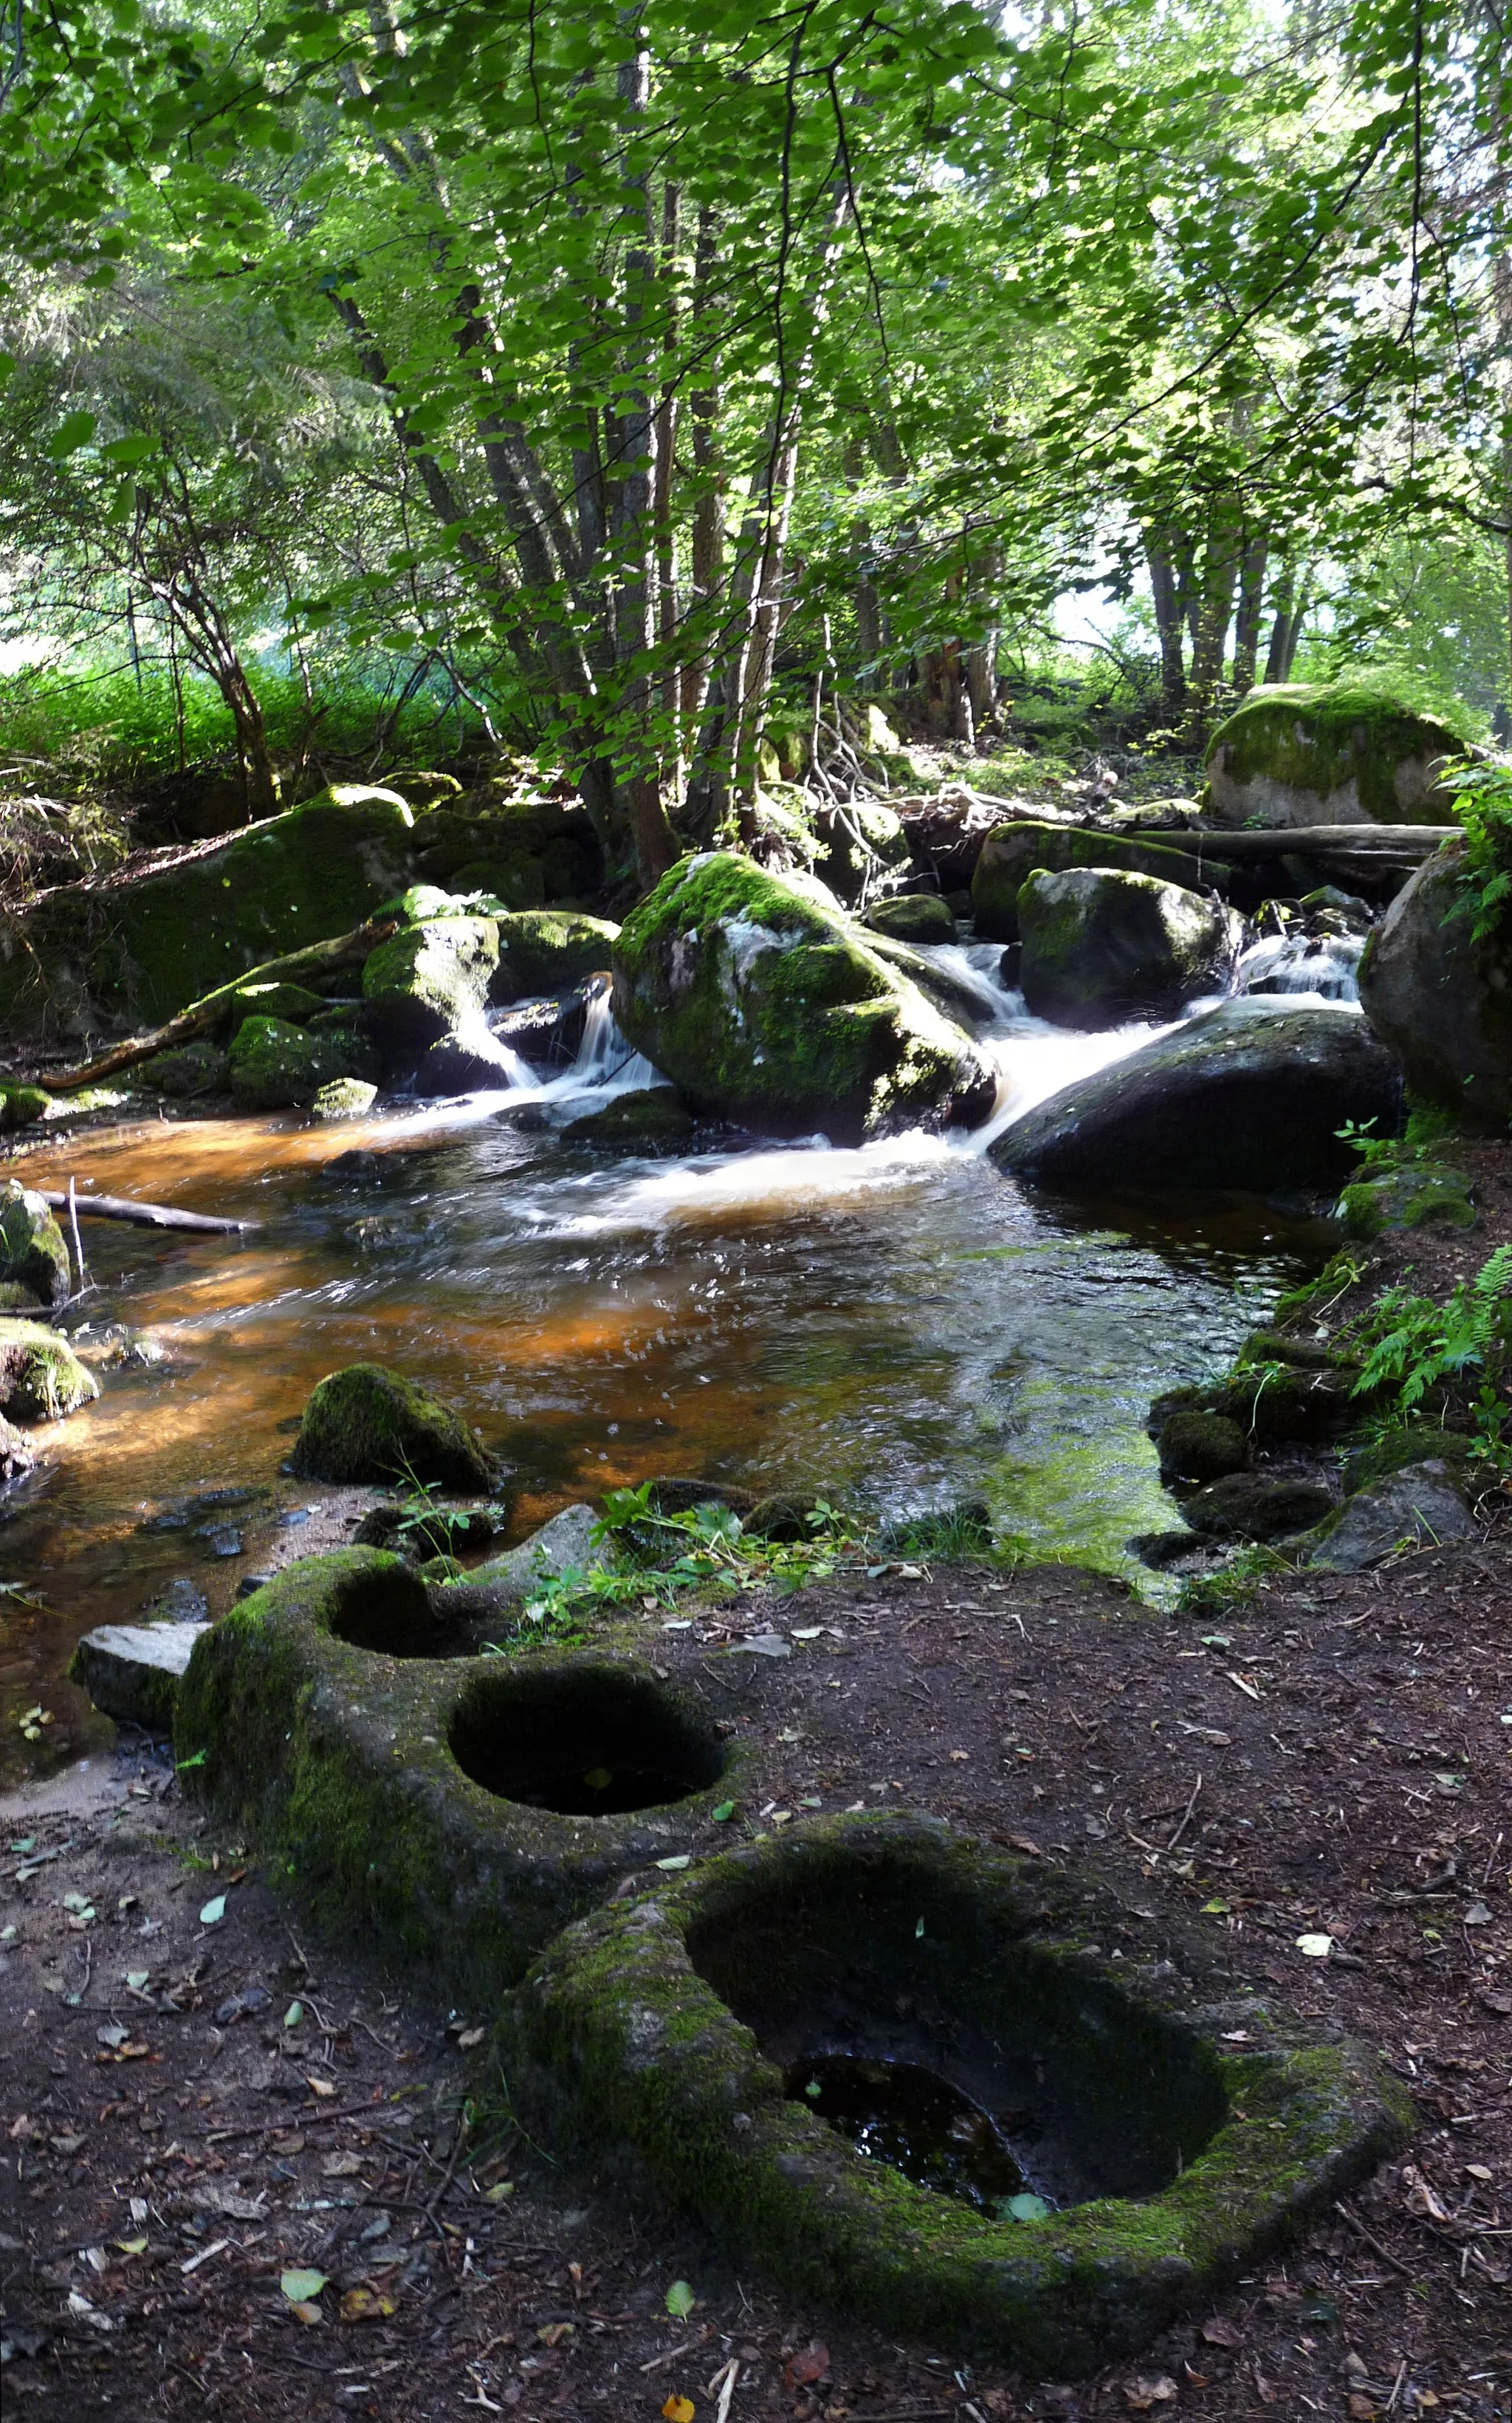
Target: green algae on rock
22 1106
1182 2132
912 917
293 1002
276 1067
32 1252
41 1379
1101 946
762 1003
365 1423
549 950
1414 1197
1350 751
186 1071
344 1097
330 1715
1199 1447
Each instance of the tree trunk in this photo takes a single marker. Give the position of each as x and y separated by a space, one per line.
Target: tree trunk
1247 621
1220 572
1169 621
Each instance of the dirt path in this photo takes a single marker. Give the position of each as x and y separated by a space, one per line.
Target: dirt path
177 2138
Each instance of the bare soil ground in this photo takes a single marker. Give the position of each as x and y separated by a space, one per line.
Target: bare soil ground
1334 1761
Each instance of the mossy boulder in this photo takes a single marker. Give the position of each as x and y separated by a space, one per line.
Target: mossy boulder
654 1120
365 1423
763 1005
1417 1196
913 917
337 1717
344 1097
41 1379
143 945
1181 2133
22 1106
1013 852
293 1002
549 950
187 1071
1441 1001
1344 753
525 851
1198 1447
429 980
1253 1506
1250 1094
1100 947
276 1067
1418 1506
32 1252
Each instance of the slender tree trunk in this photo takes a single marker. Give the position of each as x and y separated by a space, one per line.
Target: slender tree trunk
1247 621
1220 572
706 542
1169 621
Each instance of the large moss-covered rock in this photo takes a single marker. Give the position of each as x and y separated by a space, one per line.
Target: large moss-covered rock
276 1067
41 1379
549 950
764 1005
428 981
1420 1195
187 1071
369 1424
1013 852
1099 947
1440 1000
912 917
143 945
1247 1094
32 1252
1344 752
523 850
293 1002
22 1106
344 1097
654 1120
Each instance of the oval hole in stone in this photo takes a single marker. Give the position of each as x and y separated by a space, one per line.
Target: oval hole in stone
586 1740
389 1608
948 2039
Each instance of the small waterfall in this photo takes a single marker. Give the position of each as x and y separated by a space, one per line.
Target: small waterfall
1325 967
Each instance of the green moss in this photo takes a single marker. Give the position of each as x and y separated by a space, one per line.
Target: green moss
1013 852
655 1119
22 1106
32 1251
274 1066
344 1097
1101 945
549 950
644 2025
320 1714
41 1379
917 917
293 1002
369 1424
1351 738
764 1005
1409 1197
429 981
193 1070
1199 1447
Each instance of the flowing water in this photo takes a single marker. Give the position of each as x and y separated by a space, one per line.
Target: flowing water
897 1324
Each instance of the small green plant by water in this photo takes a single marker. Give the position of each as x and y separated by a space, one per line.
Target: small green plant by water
1414 1349
1482 789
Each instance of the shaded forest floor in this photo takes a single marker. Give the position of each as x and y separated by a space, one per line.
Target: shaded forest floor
1333 1759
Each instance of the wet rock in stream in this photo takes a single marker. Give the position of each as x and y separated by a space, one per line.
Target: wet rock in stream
32 1252
365 1423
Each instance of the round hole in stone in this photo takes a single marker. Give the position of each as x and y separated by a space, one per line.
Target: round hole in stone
584 1739
386 1607
938 2033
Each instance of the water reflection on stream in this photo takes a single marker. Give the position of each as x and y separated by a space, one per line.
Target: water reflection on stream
898 1324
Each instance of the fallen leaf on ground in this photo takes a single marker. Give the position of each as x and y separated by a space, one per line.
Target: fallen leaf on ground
1155 2389
1419 2196
340 2166
300 2288
809 2364
214 1912
1316 1947
366 2306
1220 2331
679 2301
679 2410
319 2086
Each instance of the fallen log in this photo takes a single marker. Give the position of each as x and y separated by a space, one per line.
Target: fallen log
316 958
1278 841
141 1216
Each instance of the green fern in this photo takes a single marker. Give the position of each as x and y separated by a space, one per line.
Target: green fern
1413 1346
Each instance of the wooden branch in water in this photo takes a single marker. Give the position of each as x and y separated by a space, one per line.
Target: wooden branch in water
316 958
1276 841
141 1216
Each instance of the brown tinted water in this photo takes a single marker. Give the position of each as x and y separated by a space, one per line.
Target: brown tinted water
898 1324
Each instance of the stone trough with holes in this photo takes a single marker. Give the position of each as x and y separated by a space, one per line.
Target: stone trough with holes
484 1814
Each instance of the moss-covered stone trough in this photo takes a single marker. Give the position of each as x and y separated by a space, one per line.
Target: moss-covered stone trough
1167 2134
461 1807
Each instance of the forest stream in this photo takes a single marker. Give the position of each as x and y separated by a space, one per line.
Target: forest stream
894 1324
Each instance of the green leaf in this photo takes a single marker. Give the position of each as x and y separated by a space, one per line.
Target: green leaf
679 2301
302 2287
75 430
214 1912
1023 2208
723 1814
293 2015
